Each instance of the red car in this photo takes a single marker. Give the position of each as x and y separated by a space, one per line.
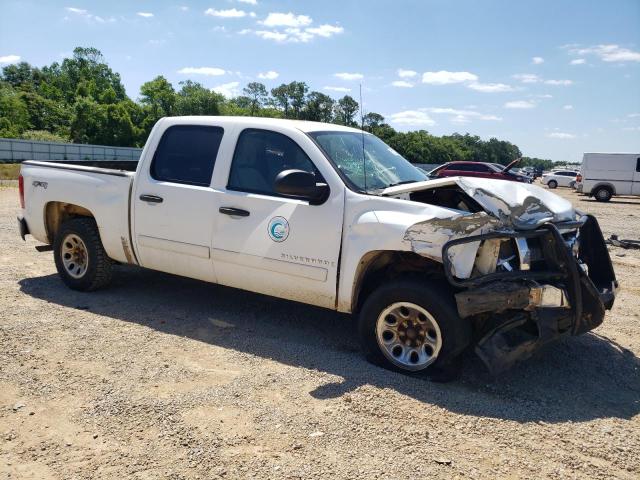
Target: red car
478 169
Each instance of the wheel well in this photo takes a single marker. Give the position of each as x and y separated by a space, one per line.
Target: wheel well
56 213
379 267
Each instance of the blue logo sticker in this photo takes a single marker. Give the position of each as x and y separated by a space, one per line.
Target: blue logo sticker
278 229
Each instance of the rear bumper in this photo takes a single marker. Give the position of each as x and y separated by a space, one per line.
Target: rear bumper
23 228
520 311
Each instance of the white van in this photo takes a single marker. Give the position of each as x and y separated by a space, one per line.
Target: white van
604 175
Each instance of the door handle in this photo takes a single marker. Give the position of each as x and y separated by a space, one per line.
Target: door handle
151 198
234 212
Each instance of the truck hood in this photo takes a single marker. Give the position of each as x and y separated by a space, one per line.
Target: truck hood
521 206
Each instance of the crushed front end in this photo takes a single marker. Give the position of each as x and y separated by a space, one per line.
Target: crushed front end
527 288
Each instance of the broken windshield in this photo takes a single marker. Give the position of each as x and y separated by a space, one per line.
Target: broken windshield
366 161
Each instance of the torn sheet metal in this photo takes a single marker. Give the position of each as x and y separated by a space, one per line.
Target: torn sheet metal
521 206
427 238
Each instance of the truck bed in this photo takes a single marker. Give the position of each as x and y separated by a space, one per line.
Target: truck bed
53 186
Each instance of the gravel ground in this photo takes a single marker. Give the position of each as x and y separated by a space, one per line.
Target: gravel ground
164 377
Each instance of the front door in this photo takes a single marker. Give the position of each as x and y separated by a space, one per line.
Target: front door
173 202
270 244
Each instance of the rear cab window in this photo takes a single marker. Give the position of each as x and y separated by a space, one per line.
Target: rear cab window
187 154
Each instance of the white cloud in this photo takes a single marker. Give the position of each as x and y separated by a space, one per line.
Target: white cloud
631 115
527 77
402 84
559 82
229 13
270 75
578 61
286 20
406 73
145 14
490 87
77 11
250 2
412 118
545 95
537 60
567 107
444 77
462 116
7 59
325 30
607 53
272 35
561 135
184 8
522 104
287 27
349 76
631 129
229 90
81 12
209 71
337 89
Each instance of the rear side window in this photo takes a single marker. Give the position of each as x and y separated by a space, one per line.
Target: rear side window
186 154
260 156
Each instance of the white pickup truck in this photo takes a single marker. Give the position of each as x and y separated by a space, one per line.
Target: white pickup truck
332 216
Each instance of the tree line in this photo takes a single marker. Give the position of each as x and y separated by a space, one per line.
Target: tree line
82 100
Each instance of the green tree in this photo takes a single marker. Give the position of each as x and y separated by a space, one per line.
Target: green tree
345 111
194 99
281 98
372 121
319 107
258 95
14 112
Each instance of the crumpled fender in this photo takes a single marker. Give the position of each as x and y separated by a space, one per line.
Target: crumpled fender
428 238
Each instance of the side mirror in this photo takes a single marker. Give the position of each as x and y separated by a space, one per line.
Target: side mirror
302 185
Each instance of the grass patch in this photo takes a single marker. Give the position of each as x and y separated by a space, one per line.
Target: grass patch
9 171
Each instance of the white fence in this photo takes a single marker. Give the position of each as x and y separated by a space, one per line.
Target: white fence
13 150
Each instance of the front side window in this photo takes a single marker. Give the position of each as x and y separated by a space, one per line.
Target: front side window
260 156
366 161
186 154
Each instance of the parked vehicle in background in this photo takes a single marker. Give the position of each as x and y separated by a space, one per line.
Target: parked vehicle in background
604 175
480 170
332 216
559 178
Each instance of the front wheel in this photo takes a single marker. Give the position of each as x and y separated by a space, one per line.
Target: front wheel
552 184
412 326
80 258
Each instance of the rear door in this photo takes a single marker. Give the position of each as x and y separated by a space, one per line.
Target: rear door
173 203
268 243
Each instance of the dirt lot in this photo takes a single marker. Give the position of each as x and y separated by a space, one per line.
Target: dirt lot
165 377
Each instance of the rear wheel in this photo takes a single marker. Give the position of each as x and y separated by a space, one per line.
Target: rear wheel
552 184
603 194
412 326
79 255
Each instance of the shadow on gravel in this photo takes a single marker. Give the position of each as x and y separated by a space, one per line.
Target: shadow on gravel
578 379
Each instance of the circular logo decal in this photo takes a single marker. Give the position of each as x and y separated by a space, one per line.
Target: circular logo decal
278 229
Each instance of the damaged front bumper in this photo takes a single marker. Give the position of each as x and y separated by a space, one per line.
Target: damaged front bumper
562 284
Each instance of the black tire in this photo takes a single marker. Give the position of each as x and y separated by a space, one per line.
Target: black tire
552 184
603 194
99 266
439 302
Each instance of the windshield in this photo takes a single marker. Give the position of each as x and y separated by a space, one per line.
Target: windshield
382 167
